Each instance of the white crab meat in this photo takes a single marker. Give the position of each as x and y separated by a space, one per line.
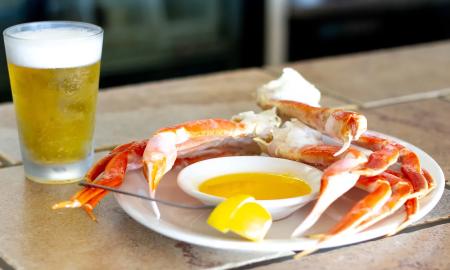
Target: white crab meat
290 86
259 124
295 134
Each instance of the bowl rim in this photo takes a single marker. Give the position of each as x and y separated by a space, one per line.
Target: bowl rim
189 188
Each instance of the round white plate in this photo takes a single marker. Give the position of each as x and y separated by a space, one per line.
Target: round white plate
190 225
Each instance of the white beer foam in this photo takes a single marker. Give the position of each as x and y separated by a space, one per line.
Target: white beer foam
54 48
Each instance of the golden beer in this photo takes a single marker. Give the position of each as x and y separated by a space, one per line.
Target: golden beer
54 71
55 111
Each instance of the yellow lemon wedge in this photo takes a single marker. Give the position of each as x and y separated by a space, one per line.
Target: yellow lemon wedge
243 216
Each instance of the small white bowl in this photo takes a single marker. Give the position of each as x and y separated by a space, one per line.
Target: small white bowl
190 178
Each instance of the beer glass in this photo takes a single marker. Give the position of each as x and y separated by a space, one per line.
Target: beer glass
54 71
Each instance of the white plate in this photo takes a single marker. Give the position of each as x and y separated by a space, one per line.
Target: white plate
190 225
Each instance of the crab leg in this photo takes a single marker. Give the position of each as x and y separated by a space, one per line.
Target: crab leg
295 97
387 194
161 151
380 192
112 176
412 170
341 173
410 165
401 195
377 163
337 123
336 180
100 165
430 181
412 205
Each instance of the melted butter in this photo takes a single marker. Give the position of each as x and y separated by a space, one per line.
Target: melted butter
261 186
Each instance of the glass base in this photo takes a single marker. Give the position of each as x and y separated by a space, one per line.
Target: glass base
57 173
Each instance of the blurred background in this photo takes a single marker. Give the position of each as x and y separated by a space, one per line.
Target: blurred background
149 40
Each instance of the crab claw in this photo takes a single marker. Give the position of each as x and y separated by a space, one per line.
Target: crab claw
346 126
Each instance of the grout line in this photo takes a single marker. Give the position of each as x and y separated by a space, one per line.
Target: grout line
351 107
3 165
12 165
445 98
411 229
407 98
271 72
5 266
263 263
427 224
6 164
104 148
351 103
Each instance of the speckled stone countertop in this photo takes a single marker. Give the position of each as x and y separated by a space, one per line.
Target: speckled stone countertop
404 92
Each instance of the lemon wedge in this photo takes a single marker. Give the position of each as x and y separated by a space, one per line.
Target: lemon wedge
242 215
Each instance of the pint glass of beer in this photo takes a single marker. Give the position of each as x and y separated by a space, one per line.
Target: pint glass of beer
54 71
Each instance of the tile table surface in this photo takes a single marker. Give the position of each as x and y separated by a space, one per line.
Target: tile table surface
384 76
403 92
